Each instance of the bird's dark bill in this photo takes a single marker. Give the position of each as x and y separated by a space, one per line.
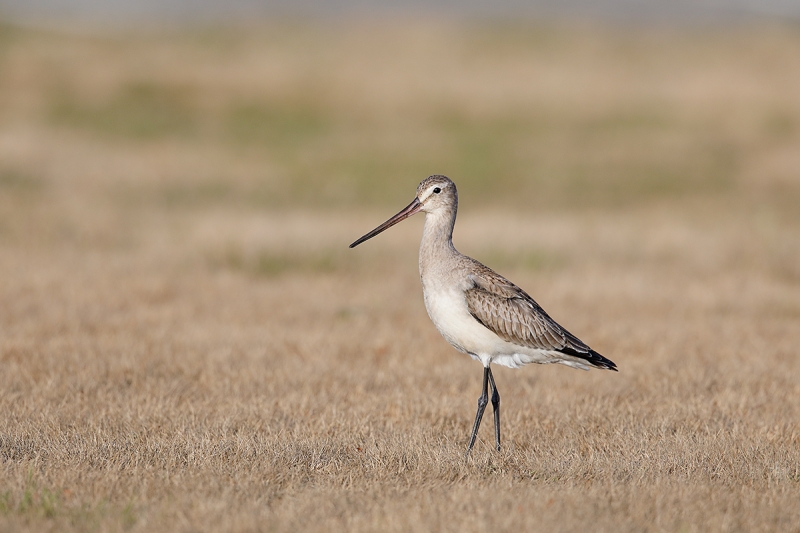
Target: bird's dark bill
411 209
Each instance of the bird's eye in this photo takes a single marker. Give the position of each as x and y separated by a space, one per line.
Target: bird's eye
437 190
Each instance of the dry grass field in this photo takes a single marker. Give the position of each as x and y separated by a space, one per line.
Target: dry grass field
187 344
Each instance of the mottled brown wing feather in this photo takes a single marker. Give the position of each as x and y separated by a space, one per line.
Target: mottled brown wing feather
514 316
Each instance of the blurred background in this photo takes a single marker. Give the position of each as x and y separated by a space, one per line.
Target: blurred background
183 331
258 139
114 112
110 110
194 10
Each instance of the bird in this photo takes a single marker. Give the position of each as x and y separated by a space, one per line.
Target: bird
478 311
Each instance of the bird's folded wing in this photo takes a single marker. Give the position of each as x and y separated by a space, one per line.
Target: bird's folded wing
515 317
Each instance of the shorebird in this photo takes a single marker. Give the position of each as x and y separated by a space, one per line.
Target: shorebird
478 311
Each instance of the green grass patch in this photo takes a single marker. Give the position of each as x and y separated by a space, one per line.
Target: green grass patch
19 184
139 110
636 180
37 504
607 152
276 124
780 125
625 157
7 33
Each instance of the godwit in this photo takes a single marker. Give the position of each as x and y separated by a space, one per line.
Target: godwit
477 310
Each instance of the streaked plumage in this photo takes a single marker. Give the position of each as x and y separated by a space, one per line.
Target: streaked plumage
515 317
478 311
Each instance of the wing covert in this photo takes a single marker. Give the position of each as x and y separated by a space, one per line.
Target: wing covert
514 316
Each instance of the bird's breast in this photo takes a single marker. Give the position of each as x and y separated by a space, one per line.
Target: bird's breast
447 308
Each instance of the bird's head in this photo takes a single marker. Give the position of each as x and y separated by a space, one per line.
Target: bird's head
434 194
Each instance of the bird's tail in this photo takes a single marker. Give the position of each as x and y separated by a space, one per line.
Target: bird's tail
592 357
598 361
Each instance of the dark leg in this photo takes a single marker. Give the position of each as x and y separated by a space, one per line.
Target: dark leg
496 407
482 401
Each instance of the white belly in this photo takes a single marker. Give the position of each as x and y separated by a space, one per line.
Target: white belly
449 312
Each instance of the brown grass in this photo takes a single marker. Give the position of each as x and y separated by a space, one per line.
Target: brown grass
186 343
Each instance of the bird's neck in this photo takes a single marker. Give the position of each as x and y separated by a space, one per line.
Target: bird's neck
437 239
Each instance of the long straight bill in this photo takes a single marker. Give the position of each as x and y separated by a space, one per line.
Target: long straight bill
409 210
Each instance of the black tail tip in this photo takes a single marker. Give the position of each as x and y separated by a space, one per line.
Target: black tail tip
603 362
591 357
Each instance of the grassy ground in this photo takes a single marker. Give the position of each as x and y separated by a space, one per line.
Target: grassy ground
187 344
